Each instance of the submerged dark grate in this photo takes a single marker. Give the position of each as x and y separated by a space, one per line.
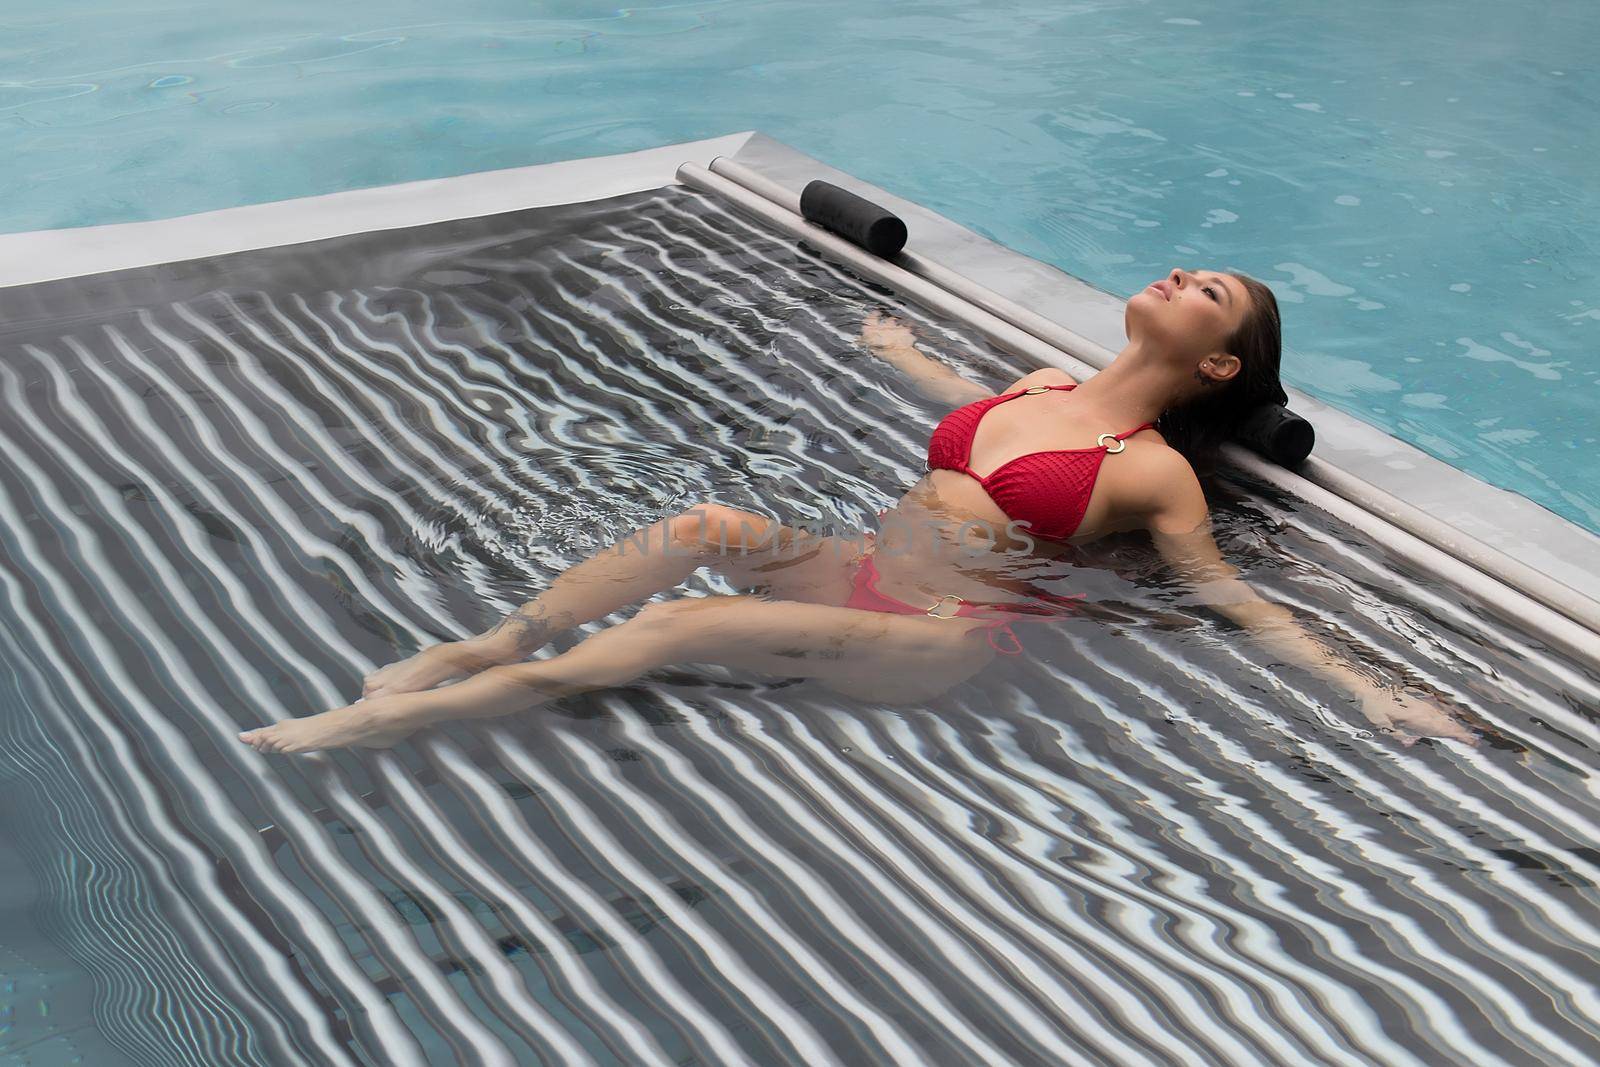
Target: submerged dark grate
233 486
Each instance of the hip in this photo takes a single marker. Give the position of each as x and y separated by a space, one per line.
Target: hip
995 617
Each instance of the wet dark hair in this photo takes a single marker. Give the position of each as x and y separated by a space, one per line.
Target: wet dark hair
1198 428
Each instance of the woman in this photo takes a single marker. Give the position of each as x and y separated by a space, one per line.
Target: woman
1013 477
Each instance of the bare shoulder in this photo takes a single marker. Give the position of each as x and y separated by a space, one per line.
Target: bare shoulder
1172 500
1042 376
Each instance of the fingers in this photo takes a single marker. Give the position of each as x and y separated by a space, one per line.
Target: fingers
880 318
1444 724
1468 739
1419 722
1445 729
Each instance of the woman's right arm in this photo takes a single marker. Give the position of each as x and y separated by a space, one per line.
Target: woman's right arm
892 341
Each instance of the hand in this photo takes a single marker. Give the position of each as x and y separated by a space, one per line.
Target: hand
885 331
434 666
1398 711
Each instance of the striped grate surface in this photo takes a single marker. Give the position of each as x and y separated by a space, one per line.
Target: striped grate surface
232 487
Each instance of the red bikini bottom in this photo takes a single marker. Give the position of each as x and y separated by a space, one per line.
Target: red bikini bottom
864 595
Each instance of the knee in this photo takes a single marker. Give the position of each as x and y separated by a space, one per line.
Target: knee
707 525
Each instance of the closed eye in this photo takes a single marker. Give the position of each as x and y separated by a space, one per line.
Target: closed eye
1213 292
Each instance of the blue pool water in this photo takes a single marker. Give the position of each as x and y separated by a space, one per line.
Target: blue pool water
1410 179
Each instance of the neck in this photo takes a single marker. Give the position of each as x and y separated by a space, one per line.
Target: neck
1134 388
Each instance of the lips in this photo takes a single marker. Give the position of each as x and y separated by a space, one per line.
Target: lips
1162 287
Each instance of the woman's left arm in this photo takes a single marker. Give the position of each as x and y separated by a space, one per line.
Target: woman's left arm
1180 525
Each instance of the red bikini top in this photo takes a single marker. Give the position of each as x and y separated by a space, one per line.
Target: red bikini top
1048 490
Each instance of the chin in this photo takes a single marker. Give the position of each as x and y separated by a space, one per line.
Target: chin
1136 311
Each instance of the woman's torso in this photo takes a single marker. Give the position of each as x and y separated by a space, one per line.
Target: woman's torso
948 535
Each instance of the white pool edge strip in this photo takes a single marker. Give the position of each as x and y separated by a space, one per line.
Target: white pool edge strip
1554 594
1525 611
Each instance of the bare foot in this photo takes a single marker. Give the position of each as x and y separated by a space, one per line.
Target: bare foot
364 724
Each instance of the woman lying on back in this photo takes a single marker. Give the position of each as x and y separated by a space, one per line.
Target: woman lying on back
902 617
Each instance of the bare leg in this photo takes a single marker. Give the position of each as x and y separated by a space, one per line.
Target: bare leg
645 562
862 654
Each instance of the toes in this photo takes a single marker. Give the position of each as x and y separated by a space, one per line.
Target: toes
262 739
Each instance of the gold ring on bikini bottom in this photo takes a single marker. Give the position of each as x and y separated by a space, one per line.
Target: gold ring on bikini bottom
934 611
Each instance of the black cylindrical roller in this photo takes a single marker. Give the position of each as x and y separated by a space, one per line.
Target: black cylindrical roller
857 220
1277 433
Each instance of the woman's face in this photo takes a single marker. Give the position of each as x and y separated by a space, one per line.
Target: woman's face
1190 314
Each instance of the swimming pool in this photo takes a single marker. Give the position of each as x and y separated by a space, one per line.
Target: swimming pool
1409 178
235 484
